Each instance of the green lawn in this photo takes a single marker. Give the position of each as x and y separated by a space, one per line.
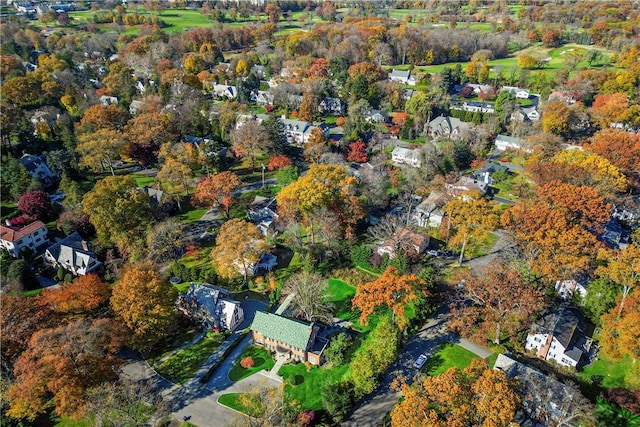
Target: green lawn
247 403
483 247
193 215
183 365
448 356
340 294
611 373
8 210
262 360
309 383
178 20
143 180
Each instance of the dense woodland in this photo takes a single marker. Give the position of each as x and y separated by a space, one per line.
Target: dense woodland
61 348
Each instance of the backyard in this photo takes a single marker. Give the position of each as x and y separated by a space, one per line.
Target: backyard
304 384
182 365
606 373
448 356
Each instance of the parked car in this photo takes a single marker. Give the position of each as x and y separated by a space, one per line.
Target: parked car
420 361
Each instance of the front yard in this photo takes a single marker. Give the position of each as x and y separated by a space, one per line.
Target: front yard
304 385
448 356
182 365
247 403
261 360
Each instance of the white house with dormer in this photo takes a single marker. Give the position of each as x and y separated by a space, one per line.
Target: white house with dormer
406 156
403 77
72 253
225 91
559 336
211 307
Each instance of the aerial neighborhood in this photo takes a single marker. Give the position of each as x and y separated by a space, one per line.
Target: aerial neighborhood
319 213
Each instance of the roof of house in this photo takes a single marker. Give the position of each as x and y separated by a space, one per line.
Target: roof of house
405 152
563 323
298 125
11 234
288 331
451 122
400 74
70 251
509 139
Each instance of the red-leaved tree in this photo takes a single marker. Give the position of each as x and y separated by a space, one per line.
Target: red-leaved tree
357 152
35 203
278 161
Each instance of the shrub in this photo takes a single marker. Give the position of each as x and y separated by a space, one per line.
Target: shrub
360 255
307 418
247 362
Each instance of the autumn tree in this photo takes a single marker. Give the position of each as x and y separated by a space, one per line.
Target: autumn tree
119 211
239 246
474 396
36 204
217 190
311 292
618 146
391 290
146 133
600 173
610 108
84 294
307 107
278 161
555 229
357 152
494 304
471 218
145 303
101 149
164 241
324 186
621 267
315 146
555 118
175 178
528 62
60 364
249 139
101 116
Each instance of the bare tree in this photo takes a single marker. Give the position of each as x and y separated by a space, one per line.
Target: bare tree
310 291
269 408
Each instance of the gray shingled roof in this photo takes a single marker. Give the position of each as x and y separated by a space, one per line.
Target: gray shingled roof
289 331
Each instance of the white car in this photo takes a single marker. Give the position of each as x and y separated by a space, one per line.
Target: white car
420 361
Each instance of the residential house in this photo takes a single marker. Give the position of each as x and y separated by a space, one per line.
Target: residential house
430 212
566 289
406 156
411 242
72 253
475 107
614 235
524 114
407 94
333 106
107 100
260 71
377 116
289 338
211 307
298 131
564 96
264 98
467 184
543 398
403 77
504 142
48 115
560 336
32 236
262 212
447 127
518 92
225 91
135 107
37 168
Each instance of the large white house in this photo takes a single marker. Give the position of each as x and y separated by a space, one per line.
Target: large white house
403 77
72 254
210 306
504 142
559 335
32 236
406 156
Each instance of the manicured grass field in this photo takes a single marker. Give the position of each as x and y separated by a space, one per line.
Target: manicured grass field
143 180
610 372
193 215
309 383
448 356
247 403
340 294
262 360
183 365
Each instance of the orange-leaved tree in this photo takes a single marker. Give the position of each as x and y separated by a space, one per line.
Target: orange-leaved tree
621 331
84 294
278 161
145 303
217 190
391 290
620 147
60 364
622 267
474 396
494 303
239 246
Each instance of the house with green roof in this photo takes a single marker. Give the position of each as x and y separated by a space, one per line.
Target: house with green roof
289 338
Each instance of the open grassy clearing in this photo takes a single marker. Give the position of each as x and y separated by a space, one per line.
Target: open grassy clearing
340 294
183 365
143 180
448 356
304 384
247 403
609 373
261 358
